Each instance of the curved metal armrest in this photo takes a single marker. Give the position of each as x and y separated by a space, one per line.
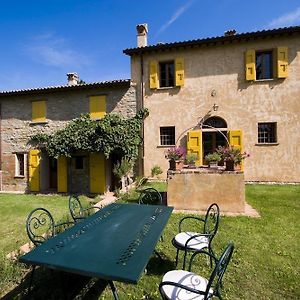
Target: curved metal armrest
215 259
63 225
194 236
180 286
188 217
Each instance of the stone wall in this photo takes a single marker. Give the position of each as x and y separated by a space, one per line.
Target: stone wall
61 106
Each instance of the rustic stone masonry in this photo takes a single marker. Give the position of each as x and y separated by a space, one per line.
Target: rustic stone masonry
62 105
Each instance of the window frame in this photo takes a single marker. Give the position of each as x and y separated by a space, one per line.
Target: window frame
171 136
18 161
265 70
168 81
266 140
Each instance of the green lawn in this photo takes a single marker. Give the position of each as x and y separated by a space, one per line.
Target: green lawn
265 264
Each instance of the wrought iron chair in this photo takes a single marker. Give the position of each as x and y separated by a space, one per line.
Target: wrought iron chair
78 212
191 241
40 226
181 284
150 196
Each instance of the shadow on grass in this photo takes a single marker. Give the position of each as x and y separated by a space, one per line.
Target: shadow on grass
156 266
49 284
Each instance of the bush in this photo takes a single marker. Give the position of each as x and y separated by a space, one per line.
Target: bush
156 170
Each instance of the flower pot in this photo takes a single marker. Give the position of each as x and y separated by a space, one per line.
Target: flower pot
229 165
176 165
213 164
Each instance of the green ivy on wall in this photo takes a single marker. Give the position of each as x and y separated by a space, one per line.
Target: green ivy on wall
111 134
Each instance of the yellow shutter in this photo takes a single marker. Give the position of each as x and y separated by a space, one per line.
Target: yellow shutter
179 72
97 107
250 65
153 76
282 62
236 140
62 174
34 170
97 173
194 144
39 111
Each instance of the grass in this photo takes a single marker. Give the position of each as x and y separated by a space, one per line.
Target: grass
265 264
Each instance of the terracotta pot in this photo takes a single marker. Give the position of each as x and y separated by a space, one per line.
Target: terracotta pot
229 165
176 165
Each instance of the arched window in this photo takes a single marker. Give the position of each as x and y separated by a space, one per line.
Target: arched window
215 122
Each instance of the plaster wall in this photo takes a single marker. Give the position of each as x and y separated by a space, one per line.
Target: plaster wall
241 104
196 191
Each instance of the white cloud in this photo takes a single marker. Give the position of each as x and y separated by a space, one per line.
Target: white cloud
175 16
289 19
50 50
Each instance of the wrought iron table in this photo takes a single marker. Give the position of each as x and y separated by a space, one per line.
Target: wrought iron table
114 244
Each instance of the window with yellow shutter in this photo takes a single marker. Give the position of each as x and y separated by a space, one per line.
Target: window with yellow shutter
266 64
39 111
97 107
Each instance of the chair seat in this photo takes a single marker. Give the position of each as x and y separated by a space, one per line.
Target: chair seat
188 279
196 243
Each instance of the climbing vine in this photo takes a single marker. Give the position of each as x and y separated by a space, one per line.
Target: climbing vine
111 134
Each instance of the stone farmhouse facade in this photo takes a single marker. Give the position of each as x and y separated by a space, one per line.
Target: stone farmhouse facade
241 88
27 112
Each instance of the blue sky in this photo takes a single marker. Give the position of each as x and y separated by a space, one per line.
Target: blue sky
42 40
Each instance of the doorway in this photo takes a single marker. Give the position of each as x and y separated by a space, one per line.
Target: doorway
52 173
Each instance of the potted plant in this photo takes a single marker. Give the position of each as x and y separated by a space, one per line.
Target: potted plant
212 159
232 156
190 159
175 155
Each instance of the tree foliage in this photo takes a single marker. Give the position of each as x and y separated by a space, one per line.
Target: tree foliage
111 134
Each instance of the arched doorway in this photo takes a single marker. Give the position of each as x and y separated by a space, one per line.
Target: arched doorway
214 134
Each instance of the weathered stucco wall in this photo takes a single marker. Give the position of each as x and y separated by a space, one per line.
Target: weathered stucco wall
61 107
196 191
241 104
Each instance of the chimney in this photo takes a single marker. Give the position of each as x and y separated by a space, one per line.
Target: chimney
230 32
142 35
72 78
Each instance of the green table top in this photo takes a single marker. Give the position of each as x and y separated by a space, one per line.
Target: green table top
113 244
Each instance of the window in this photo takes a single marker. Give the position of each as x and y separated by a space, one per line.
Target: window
167 136
19 164
264 65
267 133
78 162
97 107
166 74
39 111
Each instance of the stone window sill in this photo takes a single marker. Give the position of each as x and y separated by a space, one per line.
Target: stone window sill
165 146
19 176
266 144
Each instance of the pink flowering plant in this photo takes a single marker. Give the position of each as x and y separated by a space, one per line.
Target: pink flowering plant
175 153
230 153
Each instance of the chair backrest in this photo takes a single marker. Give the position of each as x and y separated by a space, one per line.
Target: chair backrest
75 208
150 196
216 277
40 226
212 219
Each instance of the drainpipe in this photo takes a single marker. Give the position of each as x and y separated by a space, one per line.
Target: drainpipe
142 106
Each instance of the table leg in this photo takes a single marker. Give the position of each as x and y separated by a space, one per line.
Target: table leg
114 290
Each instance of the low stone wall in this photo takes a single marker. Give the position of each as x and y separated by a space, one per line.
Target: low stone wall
195 190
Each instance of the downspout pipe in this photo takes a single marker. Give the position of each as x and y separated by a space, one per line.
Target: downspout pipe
142 107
